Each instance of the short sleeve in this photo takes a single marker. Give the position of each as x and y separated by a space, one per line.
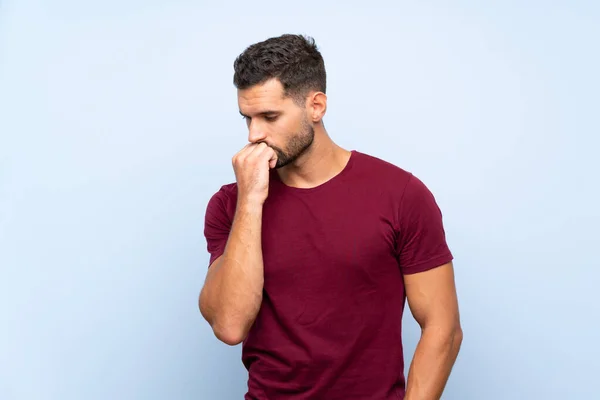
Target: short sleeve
217 224
421 240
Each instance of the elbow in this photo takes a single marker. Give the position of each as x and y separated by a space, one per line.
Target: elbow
447 336
457 337
231 335
454 339
458 333
227 328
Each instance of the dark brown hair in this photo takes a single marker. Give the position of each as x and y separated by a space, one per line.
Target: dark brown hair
293 59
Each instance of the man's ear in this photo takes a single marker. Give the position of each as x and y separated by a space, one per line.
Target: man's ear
317 105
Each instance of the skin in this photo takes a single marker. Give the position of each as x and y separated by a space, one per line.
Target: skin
433 302
293 139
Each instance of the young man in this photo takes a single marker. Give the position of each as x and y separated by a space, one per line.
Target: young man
314 250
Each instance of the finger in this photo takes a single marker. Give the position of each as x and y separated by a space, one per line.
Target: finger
244 152
270 156
258 148
257 151
273 162
240 151
247 149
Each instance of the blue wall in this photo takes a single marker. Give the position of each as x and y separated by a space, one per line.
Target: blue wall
118 121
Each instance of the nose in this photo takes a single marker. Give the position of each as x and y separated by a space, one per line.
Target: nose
256 133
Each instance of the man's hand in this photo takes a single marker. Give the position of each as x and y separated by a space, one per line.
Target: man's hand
251 166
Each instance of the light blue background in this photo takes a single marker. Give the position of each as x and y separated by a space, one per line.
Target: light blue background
118 120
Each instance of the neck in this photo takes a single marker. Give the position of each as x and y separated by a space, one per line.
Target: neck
320 163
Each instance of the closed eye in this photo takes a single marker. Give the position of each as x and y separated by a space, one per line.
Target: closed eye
270 117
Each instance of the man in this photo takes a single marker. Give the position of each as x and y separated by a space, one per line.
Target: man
314 250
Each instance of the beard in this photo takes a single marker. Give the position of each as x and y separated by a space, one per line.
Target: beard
297 145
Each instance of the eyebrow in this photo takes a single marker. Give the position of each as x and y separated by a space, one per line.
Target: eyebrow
264 113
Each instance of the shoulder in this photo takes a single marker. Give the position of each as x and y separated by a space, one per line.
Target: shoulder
226 192
405 188
223 200
382 172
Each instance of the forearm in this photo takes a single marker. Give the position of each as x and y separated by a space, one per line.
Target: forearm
432 363
232 293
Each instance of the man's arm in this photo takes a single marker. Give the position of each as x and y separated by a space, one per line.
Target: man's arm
433 302
232 292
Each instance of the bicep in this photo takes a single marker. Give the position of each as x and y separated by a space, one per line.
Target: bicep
432 298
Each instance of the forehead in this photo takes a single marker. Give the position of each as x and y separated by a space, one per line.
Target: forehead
269 94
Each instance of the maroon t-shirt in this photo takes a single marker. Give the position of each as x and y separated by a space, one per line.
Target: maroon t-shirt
330 322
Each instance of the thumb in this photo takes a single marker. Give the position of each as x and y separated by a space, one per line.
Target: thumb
273 161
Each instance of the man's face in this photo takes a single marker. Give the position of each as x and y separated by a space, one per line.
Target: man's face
276 120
